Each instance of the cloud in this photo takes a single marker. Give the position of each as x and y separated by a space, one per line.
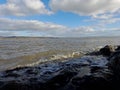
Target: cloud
31 27
87 7
13 27
23 8
110 21
7 33
38 28
81 31
101 12
21 25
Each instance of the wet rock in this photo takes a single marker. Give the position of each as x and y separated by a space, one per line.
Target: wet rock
33 80
16 69
114 54
85 73
118 48
20 86
31 71
15 75
107 50
61 79
95 69
114 66
94 53
89 83
114 63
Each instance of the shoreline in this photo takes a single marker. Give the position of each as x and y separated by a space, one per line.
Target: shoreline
89 72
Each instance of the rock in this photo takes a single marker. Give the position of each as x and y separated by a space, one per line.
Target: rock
89 83
114 63
12 75
95 68
118 48
32 71
20 86
114 66
94 53
61 79
107 50
85 73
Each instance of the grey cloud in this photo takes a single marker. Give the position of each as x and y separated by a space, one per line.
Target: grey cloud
7 33
86 7
47 29
38 28
23 8
9 24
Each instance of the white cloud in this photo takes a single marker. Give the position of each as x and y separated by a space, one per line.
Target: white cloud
11 24
81 31
13 27
110 21
33 27
23 7
7 33
87 7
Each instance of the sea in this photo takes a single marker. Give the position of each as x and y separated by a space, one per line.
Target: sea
29 51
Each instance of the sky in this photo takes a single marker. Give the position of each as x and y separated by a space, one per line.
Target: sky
59 18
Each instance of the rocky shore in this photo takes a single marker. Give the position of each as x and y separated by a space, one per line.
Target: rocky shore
94 71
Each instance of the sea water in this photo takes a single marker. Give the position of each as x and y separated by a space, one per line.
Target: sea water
18 51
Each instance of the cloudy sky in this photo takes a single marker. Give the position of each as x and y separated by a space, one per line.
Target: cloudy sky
60 18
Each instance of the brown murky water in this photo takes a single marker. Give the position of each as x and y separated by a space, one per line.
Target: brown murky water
22 51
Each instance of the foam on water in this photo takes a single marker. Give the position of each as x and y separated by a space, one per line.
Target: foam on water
60 57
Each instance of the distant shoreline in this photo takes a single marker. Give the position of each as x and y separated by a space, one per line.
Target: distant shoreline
58 37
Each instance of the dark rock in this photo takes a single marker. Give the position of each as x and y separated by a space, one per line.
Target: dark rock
107 50
114 63
95 69
114 66
60 80
32 71
114 54
79 74
20 86
12 75
90 83
33 80
15 69
94 53
118 48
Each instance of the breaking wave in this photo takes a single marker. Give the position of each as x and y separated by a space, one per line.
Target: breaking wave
61 57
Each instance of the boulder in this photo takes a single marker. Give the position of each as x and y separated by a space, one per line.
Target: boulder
114 63
13 85
107 50
61 79
90 83
86 73
118 48
114 66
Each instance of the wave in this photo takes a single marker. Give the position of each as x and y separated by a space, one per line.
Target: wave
60 57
